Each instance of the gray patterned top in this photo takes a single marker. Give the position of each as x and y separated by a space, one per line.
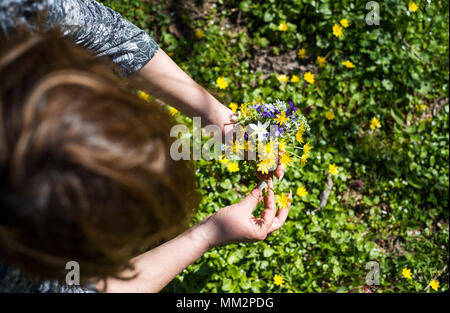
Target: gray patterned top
88 23
105 33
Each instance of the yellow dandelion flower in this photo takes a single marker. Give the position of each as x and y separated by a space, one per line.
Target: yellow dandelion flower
143 95
285 160
406 272
301 53
199 33
223 160
337 30
278 280
301 191
301 128
295 79
321 61
329 115
375 123
233 167
283 27
233 106
348 64
283 201
333 169
304 158
299 136
269 149
281 118
282 145
282 78
344 22
309 77
266 165
434 284
238 147
413 7
307 148
222 82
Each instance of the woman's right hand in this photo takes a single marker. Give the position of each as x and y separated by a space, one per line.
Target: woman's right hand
236 223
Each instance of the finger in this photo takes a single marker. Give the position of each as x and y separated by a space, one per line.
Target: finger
281 217
270 208
253 198
279 172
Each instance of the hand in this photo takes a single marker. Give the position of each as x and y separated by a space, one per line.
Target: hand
236 223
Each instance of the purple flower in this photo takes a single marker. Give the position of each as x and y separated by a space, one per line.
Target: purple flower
291 109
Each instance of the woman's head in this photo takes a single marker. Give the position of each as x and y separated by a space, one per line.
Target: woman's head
85 168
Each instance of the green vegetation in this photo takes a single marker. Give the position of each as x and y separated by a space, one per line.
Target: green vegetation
389 202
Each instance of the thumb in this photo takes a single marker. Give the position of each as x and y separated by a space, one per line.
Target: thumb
254 197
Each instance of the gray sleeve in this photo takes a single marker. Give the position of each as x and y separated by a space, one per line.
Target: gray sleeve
94 26
15 280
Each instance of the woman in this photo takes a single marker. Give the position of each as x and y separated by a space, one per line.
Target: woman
86 176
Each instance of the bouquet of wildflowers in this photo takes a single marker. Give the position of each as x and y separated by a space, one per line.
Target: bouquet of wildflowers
268 134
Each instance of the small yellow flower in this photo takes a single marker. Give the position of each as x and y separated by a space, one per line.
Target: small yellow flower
281 118
304 158
143 95
309 77
337 30
222 82
282 78
173 111
301 53
299 136
238 147
301 191
333 169
223 160
421 107
344 22
406 272
434 284
283 201
245 111
307 148
266 165
278 280
269 149
413 7
283 27
348 64
233 106
199 33
282 145
374 122
329 115
321 61
295 79
285 160
171 53
233 167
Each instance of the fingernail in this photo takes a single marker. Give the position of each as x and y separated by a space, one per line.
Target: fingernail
290 194
262 186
